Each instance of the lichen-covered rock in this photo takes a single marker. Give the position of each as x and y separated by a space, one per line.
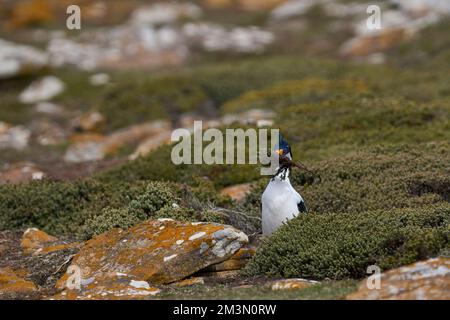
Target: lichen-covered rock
158 251
12 283
21 172
190 282
16 137
93 147
236 262
424 280
291 284
42 90
35 241
237 192
117 287
17 59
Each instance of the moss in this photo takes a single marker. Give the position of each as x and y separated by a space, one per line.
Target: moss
342 245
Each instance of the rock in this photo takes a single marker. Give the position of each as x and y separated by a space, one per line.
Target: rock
293 8
212 37
13 137
89 122
151 143
235 262
291 284
366 45
259 117
49 108
48 132
236 192
219 275
18 60
424 280
34 239
99 79
91 147
31 12
42 90
189 282
37 242
159 252
165 13
20 173
12 283
118 287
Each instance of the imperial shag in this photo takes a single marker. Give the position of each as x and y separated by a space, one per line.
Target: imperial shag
280 201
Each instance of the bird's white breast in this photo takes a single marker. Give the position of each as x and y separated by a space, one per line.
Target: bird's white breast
279 204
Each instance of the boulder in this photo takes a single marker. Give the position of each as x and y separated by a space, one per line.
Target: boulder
20 173
91 147
156 251
118 287
34 239
189 282
89 122
12 284
291 284
43 89
424 280
16 137
237 192
37 242
16 60
235 262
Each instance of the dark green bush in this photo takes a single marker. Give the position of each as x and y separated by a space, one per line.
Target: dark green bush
377 178
60 207
155 196
343 245
110 218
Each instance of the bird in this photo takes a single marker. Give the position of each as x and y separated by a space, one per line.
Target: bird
280 202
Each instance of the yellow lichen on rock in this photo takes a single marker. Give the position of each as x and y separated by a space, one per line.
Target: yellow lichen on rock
12 282
34 239
425 280
158 251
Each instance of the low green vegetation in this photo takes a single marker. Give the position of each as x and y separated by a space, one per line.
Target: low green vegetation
327 290
339 246
88 207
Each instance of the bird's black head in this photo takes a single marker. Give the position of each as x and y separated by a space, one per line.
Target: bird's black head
284 149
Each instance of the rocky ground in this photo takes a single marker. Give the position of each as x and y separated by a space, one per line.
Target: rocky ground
87 185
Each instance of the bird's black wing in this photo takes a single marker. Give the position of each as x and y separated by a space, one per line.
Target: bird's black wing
302 206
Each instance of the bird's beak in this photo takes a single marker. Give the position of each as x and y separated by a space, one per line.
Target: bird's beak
279 152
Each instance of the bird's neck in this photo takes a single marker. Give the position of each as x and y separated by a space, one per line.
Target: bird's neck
281 175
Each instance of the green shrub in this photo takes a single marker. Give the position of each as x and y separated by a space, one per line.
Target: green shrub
87 207
377 178
60 207
343 245
138 99
108 219
155 196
